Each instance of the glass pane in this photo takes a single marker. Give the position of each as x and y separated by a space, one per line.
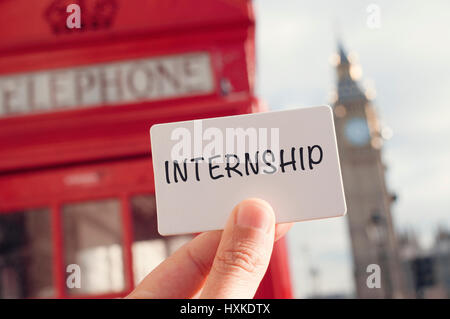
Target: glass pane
26 254
149 247
93 241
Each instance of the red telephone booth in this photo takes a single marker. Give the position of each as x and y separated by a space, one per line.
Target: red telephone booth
76 105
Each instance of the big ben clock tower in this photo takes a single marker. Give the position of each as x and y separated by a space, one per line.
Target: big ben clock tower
368 200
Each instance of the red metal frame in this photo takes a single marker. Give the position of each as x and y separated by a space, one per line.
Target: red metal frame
40 151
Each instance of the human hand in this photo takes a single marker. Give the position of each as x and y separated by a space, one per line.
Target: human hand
219 264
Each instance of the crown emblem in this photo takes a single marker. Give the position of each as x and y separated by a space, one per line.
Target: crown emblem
95 14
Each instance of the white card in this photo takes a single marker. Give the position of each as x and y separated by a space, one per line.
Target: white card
204 168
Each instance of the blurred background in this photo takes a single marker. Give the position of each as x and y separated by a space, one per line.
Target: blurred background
76 104
401 56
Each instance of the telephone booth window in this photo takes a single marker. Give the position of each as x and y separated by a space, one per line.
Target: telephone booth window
149 247
26 254
93 241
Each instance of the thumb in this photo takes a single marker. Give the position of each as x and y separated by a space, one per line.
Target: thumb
244 252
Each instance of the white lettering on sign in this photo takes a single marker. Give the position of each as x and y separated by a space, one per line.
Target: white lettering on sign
107 84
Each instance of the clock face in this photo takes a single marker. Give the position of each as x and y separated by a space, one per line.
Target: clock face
357 131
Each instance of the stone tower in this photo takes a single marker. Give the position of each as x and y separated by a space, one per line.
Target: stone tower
368 200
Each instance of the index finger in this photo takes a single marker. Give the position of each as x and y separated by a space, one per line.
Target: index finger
183 273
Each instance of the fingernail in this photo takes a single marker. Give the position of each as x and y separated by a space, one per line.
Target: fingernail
252 214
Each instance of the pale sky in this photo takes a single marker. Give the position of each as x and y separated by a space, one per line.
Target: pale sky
407 60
